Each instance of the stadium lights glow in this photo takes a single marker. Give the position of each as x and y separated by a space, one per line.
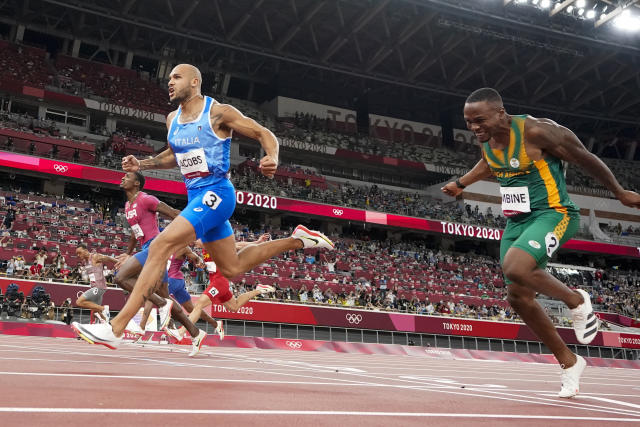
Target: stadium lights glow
545 4
591 14
581 4
580 12
627 22
570 9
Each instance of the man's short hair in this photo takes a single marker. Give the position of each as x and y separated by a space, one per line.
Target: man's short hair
486 94
82 245
140 179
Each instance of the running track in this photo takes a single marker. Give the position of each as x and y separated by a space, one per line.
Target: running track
62 381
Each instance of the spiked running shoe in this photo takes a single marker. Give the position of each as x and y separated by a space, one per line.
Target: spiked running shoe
97 333
571 378
196 343
220 329
133 328
265 289
312 239
165 314
585 322
174 333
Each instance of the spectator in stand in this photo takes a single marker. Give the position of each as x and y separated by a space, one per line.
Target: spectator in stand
35 270
41 258
9 218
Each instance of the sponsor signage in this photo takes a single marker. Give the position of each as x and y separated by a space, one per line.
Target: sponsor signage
262 311
246 198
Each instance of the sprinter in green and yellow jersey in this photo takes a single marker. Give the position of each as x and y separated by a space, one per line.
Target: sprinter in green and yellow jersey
526 156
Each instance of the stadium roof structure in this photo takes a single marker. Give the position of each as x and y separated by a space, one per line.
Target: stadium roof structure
413 57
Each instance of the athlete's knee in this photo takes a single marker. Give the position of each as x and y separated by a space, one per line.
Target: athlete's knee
231 306
518 300
229 272
80 301
121 281
516 272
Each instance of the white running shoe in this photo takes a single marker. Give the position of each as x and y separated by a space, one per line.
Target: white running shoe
97 333
106 314
585 322
220 329
174 333
264 289
165 314
196 343
311 239
570 378
133 328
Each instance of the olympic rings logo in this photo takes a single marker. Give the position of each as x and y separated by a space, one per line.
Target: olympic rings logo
294 344
338 212
354 319
60 168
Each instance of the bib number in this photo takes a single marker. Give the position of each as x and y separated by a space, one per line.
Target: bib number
193 164
213 292
552 243
211 199
137 231
515 200
92 277
211 266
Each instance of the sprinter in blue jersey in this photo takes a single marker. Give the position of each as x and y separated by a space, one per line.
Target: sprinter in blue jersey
199 136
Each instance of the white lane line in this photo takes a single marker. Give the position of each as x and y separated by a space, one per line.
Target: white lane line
292 412
615 402
188 379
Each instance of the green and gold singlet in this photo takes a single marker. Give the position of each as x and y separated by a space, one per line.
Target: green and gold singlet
543 179
541 216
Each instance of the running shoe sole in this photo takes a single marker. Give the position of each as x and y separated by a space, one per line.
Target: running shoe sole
91 340
314 234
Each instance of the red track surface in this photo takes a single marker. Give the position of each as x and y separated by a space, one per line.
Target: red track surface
61 381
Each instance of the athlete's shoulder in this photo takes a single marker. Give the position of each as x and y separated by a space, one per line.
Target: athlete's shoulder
539 127
170 117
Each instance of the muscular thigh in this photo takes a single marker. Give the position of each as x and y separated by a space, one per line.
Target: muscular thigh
515 290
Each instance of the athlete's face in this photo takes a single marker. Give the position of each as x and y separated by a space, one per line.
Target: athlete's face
82 253
483 119
128 181
181 84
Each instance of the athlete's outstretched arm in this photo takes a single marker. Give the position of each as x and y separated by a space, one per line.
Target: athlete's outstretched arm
167 211
565 145
104 259
237 121
479 171
164 160
132 243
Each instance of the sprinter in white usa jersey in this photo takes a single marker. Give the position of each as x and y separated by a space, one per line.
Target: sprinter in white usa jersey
199 136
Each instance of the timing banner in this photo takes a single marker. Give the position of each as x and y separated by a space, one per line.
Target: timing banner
263 311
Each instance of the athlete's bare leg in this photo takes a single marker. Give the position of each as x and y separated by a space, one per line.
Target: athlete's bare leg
521 268
126 279
179 231
180 316
203 314
82 302
148 305
232 305
527 278
232 263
